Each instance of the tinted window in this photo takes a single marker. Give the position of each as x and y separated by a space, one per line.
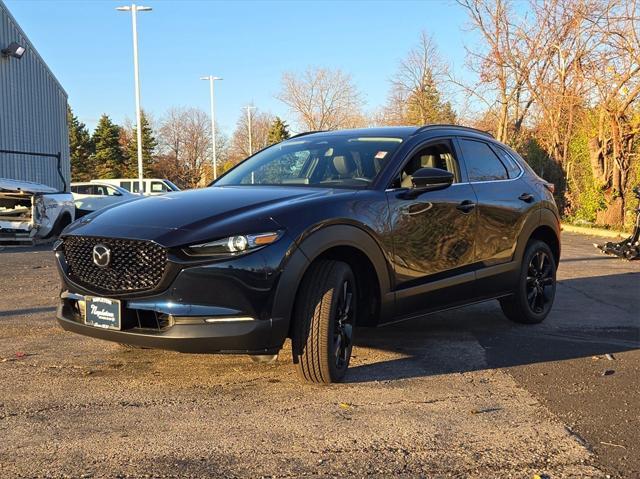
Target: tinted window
512 166
327 161
83 189
438 155
482 163
136 187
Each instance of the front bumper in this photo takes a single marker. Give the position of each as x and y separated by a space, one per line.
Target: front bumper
155 329
219 307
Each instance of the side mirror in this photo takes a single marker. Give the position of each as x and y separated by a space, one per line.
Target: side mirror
429 179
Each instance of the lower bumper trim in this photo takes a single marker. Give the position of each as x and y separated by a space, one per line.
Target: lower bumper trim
244 337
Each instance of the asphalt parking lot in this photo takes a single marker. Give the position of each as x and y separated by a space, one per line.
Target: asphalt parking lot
458 394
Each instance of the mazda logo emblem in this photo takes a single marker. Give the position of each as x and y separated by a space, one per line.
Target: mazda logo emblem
101 255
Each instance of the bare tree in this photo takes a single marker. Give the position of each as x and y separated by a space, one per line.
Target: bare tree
557 82
503 63
260 124
615 73
185 147
415 97
322 99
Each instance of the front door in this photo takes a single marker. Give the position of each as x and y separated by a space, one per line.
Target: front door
433 234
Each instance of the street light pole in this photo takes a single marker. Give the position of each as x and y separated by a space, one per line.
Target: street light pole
249 108
214 159
134 9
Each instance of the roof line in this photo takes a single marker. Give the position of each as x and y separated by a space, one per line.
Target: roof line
302 134
447 125
33 49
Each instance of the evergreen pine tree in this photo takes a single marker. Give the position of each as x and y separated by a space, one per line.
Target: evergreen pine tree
149 145
80 148
108 159
425 106
278 131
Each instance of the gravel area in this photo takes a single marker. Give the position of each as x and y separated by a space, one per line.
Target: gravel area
458 394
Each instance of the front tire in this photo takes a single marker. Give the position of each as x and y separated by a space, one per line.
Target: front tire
325 313
534 294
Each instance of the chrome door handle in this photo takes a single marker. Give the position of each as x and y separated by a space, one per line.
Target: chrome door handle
526 197
416 208
466 206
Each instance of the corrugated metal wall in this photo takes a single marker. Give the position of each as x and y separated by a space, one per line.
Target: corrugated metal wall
33 112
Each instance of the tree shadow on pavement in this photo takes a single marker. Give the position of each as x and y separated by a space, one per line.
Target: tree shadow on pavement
591 316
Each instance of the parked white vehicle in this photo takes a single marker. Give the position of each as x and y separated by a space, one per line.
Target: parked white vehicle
92 196
150 186
32 211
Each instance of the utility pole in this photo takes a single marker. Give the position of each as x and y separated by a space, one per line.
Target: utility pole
214 159
134 9
249 126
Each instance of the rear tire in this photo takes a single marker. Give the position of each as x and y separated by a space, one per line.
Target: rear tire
534 294
324 316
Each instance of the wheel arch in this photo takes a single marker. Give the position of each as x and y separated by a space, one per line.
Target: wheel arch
546 229
346 243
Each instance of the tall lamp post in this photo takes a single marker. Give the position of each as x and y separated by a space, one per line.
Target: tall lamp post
211 79
134 9
249 108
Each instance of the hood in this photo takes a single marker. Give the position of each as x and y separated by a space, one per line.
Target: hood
203 214
7 184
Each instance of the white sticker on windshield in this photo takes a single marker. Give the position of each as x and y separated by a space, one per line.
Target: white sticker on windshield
381 154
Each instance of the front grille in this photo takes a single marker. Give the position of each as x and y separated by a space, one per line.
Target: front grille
134 265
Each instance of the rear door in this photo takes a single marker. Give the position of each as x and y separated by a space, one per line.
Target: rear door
504 199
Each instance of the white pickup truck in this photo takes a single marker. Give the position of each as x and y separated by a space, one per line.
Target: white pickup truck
30 212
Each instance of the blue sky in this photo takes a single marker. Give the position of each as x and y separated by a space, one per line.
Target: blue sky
88 46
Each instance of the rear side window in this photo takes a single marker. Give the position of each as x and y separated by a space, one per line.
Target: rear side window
482 163
83 189
508 161
136 187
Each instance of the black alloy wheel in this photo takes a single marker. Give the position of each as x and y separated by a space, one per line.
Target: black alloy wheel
324 322
540 282
343 331
535 290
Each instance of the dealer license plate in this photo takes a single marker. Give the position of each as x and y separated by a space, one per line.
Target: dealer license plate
102 312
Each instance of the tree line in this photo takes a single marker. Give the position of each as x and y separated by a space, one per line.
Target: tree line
177 147
558 80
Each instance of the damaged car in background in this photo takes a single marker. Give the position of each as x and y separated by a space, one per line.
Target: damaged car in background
32 212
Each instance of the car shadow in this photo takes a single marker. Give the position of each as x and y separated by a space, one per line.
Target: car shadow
27 311
9 248
591 316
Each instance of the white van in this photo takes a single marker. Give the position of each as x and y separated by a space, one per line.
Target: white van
96 195
150 186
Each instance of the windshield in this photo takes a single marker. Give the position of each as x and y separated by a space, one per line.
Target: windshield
330 161
171 185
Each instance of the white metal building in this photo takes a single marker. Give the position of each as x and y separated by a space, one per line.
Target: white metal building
34 137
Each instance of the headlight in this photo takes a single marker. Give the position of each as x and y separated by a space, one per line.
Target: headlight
233 245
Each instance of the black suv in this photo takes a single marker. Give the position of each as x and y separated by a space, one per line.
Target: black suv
311 237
